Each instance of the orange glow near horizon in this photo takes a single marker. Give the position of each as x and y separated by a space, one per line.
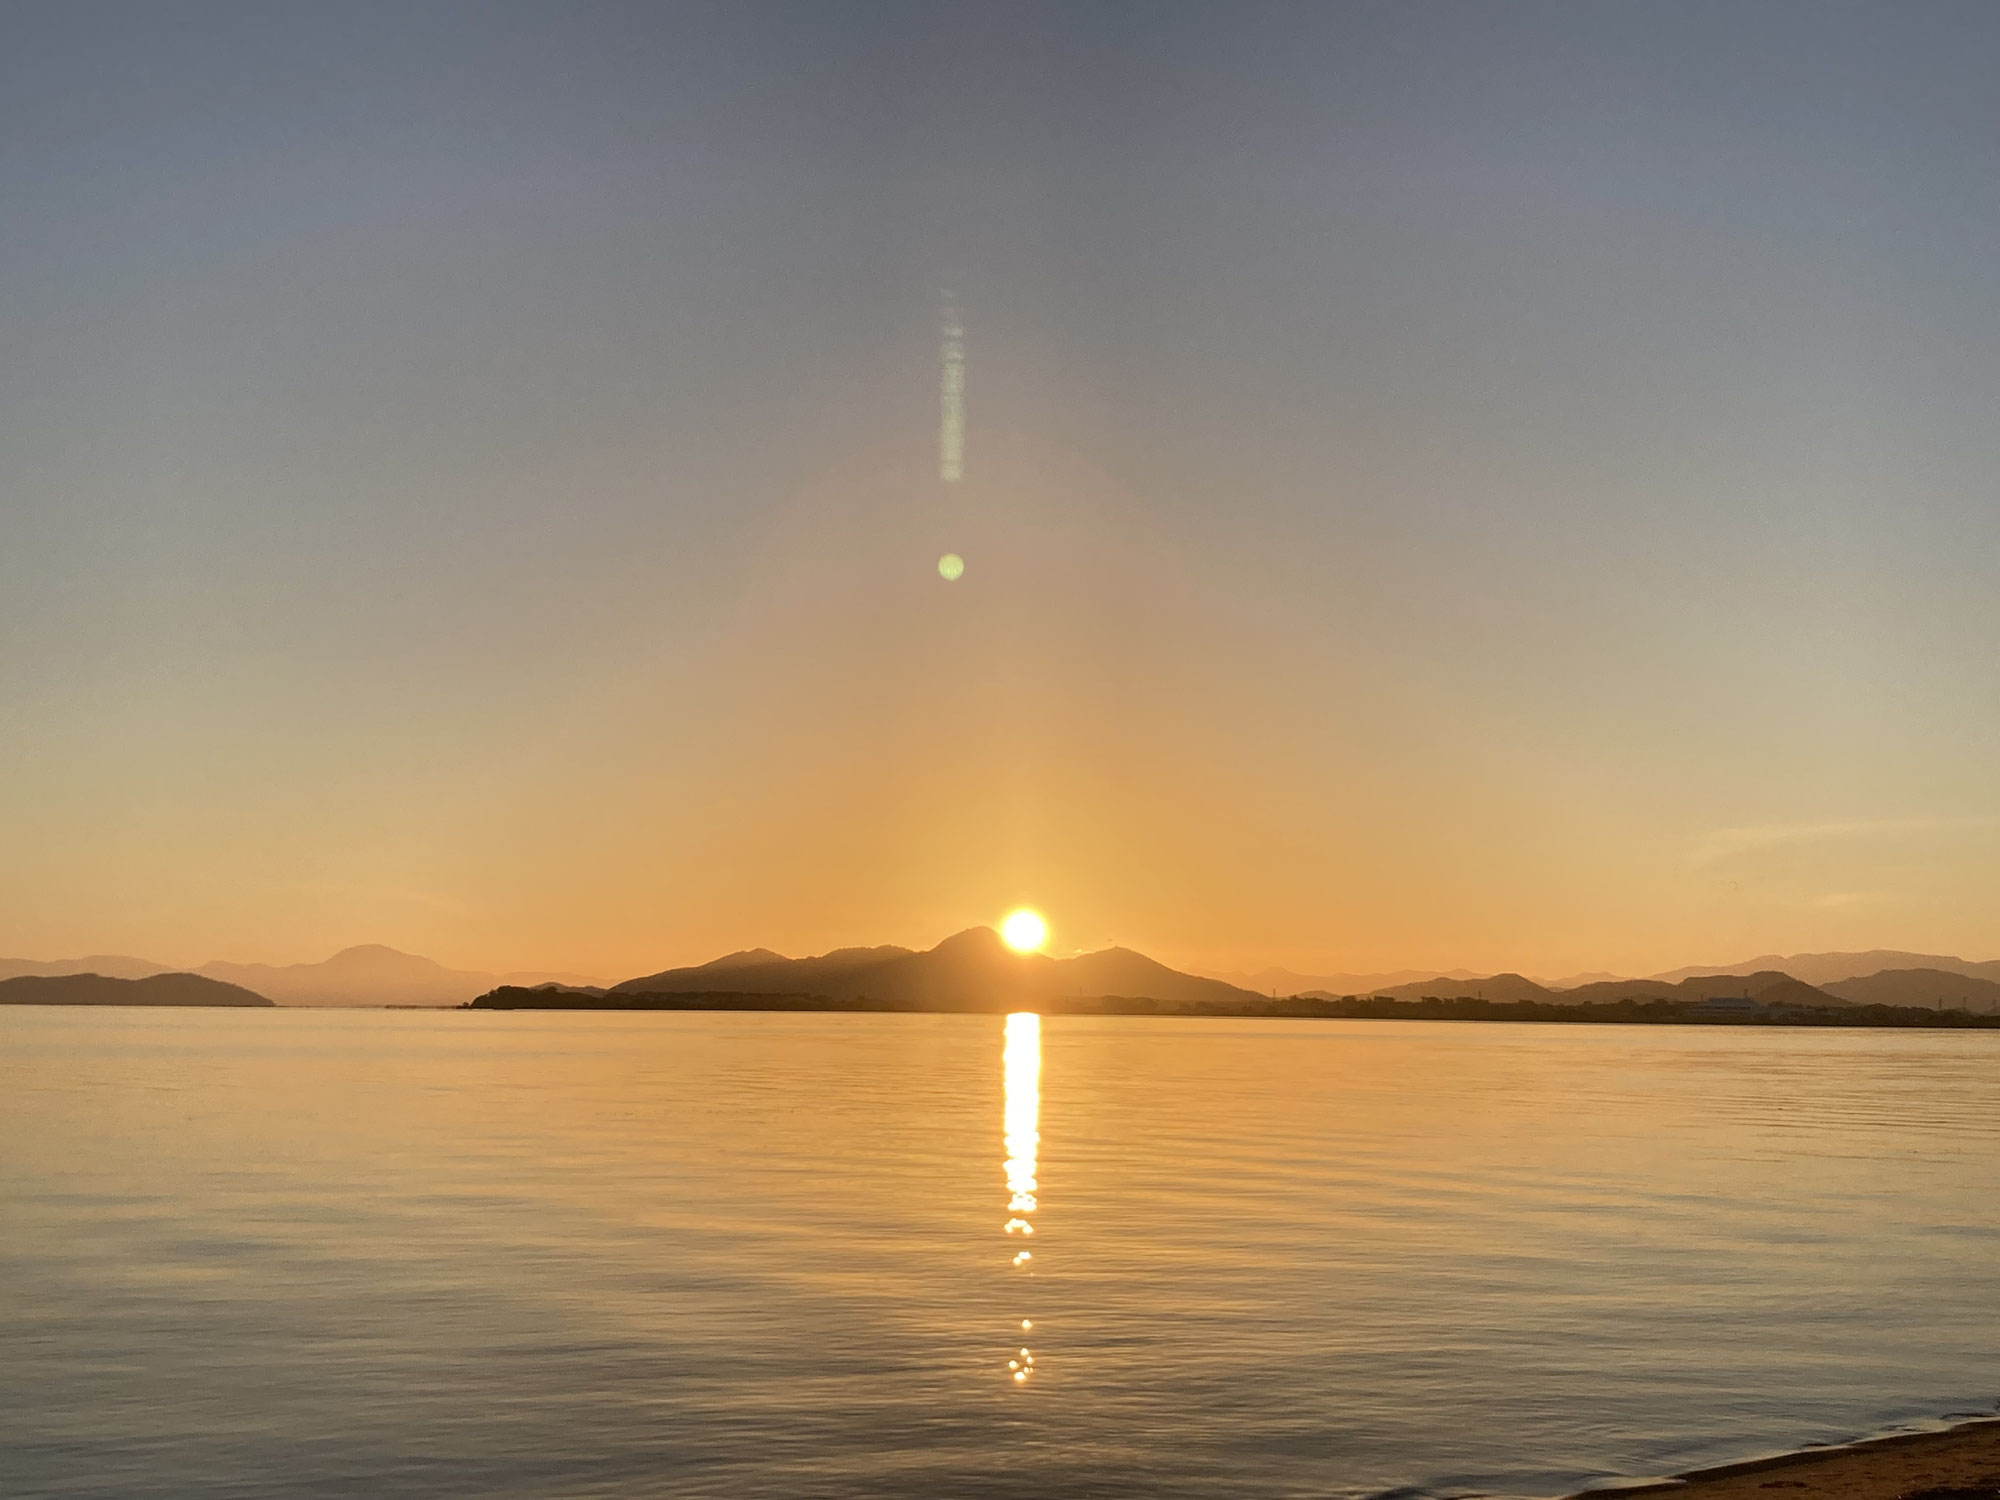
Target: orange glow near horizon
1159 779
1121 722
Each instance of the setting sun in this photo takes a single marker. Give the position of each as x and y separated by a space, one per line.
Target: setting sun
1024 931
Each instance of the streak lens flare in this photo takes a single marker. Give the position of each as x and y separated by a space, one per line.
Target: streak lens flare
951 397
1021 1060
1024 931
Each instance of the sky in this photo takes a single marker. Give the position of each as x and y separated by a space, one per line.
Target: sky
1501 486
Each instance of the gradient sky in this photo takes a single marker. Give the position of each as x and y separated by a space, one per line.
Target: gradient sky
1508 486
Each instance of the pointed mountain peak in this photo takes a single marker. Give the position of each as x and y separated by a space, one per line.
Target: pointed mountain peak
743 958
379 956
972 940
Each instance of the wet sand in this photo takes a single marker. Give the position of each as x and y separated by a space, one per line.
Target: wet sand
1960 1463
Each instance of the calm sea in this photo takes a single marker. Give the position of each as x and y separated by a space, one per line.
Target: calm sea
392 1253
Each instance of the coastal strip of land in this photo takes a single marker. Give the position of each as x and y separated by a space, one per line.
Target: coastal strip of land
1649 1012
978 972
1959 1463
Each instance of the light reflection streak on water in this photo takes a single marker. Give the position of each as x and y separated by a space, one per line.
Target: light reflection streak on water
1022 1059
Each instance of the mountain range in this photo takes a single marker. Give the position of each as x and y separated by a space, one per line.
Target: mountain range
973 970
976 969
1770 987
1943 988
1827 968
1287 982
1817 969
366 975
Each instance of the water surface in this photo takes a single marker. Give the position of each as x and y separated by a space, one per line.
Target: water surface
393 1253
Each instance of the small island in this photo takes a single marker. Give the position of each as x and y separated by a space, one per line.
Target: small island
97 989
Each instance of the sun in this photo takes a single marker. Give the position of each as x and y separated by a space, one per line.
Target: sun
1024 931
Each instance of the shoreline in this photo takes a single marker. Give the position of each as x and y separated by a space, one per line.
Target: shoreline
1604 1013
1962 1460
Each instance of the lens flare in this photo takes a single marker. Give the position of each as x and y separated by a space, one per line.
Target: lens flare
951 396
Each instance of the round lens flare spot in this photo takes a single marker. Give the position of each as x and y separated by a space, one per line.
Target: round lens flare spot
1024 931
951 567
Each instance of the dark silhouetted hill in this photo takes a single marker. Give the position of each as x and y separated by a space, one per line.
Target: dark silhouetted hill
110 965
1513 989
759 971
751 956
1822 969
101 989
973 970
1287 982
1497 987
1939 988
1769 987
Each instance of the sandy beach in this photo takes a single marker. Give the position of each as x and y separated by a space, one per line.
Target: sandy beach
1961 1463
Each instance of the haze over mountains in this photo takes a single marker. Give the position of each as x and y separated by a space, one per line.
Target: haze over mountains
366 975
108 965
1286 982
1826 968
975 969
1938 987
98 989
1830 972
1770 980
1769 987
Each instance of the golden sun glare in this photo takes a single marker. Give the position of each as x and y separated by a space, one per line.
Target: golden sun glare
1024 931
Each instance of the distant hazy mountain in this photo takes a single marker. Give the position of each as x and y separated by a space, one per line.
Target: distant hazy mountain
747 957
1285 982
368 975
374 975
110 965
98 989
1443 983
972 971
1822 972
1507 988
1816 969
1771 988
1827 968
1768 986
1930 987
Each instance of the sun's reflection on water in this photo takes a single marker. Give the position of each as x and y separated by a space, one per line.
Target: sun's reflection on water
1023 1071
